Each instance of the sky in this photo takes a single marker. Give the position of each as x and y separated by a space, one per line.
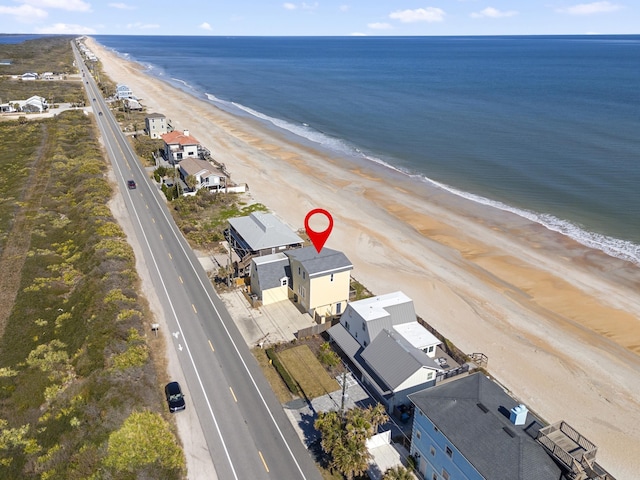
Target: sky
322 17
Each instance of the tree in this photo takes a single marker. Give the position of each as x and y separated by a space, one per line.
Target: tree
344 438
351 457
191 181
398 473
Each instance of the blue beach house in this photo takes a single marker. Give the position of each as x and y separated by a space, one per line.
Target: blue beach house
470 429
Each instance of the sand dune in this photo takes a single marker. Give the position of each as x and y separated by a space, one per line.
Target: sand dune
559 322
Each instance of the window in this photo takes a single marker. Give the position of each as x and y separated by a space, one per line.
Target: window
435 429
418 434
449 452
304 275
284 282
432 451
363 328
435 476
331 278
445 474
431 349
346 325
298 270
365 344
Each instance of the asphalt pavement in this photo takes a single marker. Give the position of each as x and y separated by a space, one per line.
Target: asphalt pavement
246 431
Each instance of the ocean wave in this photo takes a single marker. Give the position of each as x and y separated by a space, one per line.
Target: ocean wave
612 246
303 130
179 80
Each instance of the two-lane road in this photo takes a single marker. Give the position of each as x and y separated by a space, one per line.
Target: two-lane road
247 432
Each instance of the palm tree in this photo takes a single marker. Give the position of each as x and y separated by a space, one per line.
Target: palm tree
329 424
351 457
358 425
377 416
398 473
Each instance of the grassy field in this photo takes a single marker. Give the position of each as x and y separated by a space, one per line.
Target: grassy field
307 371
55 91
79 391
48 54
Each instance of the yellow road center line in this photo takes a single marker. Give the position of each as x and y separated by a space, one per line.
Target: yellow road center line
263 462
153 220
194 308
234 398
180 278
170 256
161 237
212 349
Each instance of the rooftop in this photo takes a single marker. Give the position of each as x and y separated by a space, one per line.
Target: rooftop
417 335
375 307
263 230
177 137
473 413
394 359
327 261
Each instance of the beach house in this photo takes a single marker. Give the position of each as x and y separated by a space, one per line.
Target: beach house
155 125
270 276
123 92
203 172
320 281
470 429
29 76
365 319
179 145
258 234
391 351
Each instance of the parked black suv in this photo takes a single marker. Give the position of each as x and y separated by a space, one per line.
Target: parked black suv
175 398
131 184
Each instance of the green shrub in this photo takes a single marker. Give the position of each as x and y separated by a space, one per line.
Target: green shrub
291 384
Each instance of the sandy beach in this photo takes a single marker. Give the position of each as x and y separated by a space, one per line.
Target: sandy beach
559 322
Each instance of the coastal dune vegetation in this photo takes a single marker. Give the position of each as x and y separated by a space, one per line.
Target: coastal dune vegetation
80 393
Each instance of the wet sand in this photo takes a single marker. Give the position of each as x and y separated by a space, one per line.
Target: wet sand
559 322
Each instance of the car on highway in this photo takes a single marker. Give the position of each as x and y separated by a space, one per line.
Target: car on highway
99 114
131 184
94 99
175 398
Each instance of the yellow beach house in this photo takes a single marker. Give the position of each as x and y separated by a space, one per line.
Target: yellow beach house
319 281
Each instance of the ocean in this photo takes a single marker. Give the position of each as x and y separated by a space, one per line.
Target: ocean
547 127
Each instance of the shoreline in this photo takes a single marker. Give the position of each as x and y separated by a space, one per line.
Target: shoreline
559 322
624 248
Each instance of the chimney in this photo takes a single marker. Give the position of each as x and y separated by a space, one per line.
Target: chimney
518 415
186 133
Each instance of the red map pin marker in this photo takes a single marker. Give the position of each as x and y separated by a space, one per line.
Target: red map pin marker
318 238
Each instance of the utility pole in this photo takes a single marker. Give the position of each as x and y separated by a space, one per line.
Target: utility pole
344 392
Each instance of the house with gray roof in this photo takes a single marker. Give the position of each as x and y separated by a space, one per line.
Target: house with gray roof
259 234
156 125
269 277
395 368
320 281
366 318
471 429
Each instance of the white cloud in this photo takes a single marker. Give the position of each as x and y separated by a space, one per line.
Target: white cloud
491 12
429 14
344 8
205 26
379 26
23 13
66 28
590 8
289 6
358 34
122 6
309 6
70 5
143 26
